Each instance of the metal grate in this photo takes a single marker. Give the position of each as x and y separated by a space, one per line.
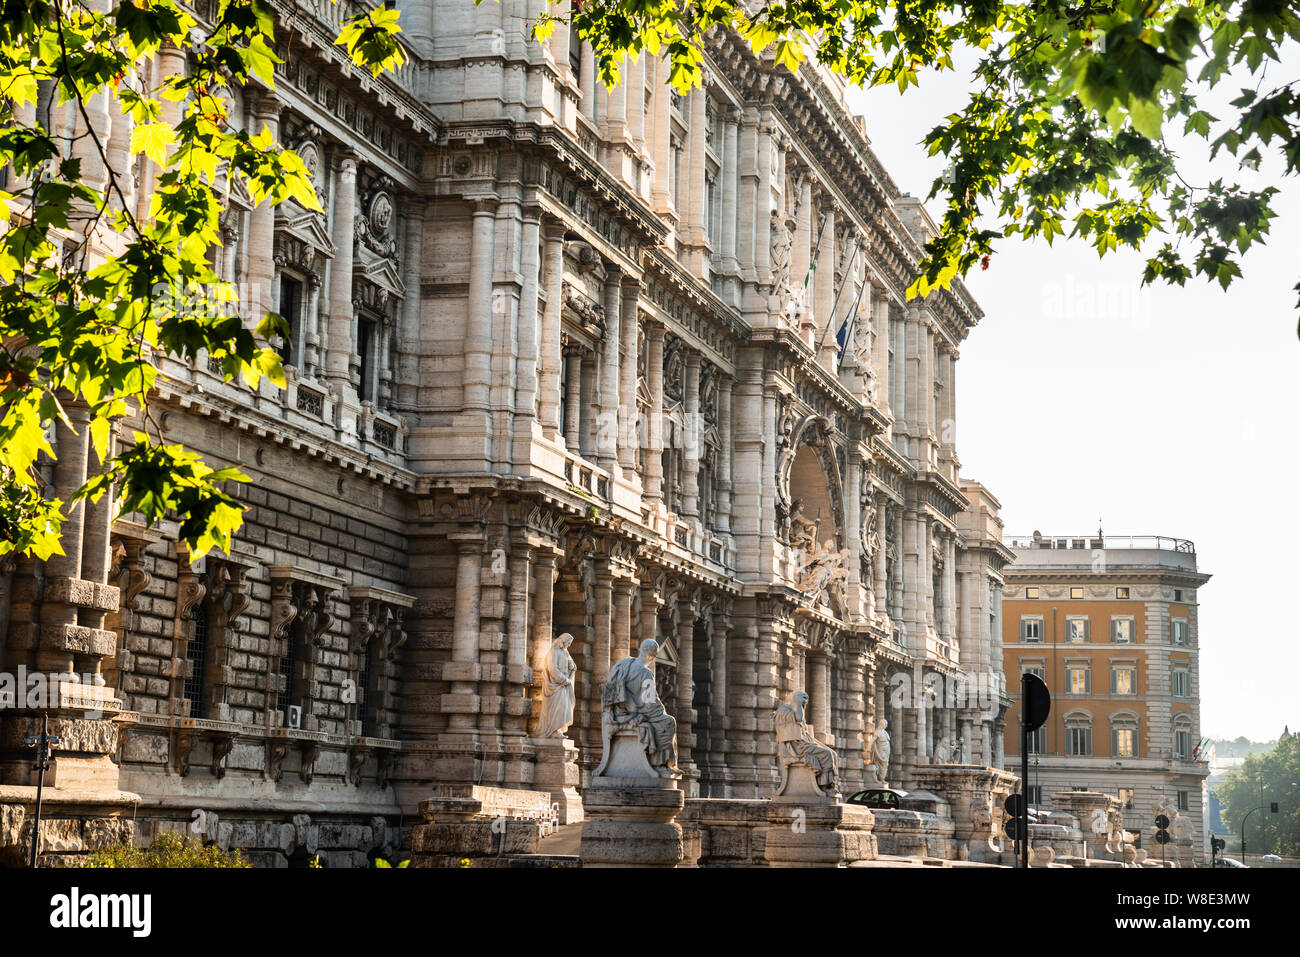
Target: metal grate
285 697
196 652
311 402
363 695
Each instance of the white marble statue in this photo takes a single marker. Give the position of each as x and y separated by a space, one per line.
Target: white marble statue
557 689
879 754
630 702
942 751
796 745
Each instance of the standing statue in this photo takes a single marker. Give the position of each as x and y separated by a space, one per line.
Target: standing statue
878 753
630 702
942 751
557 689
795 745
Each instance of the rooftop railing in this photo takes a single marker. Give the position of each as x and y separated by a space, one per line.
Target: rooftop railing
1156 542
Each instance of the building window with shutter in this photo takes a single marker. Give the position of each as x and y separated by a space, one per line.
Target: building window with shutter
1123 739
1076 630
1078 679
1123 679
1182 740
1183 803
1126 795
1031 629
1182 683
1038 741
1078 739
1122 631
1178 631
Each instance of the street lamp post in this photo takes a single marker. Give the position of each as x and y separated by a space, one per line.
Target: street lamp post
42 743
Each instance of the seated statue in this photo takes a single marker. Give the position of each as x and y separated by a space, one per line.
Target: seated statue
796 747
630 703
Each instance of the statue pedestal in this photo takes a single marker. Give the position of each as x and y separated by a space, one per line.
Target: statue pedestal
632 822
557 772
817 832
976 796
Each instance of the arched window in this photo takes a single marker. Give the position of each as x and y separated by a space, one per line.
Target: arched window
1124 735
1078 734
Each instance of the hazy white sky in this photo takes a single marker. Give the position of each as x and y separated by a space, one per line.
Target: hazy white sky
1160 411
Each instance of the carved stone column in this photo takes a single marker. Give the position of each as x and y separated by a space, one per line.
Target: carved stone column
338 343
573 398
691 459
818 663
825 324
724 456
477 382
654 467
627 431
621 631
463 669
685 713
529 335
552 283
607 431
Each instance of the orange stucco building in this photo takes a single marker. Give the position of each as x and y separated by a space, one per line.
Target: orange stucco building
1110 624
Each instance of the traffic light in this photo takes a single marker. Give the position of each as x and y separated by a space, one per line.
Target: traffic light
1162 829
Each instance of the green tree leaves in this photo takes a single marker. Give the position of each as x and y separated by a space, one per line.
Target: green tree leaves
1066 117
95 289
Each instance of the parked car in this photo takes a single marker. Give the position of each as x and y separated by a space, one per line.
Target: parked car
880 799
1271 858
1231 862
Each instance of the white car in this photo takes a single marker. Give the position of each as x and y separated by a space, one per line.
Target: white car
1231 862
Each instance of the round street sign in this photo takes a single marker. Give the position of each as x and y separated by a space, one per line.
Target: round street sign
1162 837
1038 701
1162 821
1014 805
1012 827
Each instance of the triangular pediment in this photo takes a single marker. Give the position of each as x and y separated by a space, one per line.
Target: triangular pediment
305 226
380 272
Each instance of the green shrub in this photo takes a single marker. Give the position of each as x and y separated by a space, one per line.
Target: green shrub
167 850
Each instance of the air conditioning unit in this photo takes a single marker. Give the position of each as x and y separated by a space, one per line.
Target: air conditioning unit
294 717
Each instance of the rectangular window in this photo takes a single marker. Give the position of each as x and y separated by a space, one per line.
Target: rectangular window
1182 683
1077 679
1178 594
1123 742
1182 743
291 310
1178 631
1126 796
196 652
1078 741
1035 795
1123 680
1034 668
1121 592
1076 630
1031 629
1121 631
366 350
1183 803
1076 591
1031 592
1038 741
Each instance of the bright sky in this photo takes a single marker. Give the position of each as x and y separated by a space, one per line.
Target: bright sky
1160 411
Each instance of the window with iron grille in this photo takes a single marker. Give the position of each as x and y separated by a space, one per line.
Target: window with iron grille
364 711
196 652
285 697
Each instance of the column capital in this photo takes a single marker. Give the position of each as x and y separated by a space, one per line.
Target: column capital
344 160
483 205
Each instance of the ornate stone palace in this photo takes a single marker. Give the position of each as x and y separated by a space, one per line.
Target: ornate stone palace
563 360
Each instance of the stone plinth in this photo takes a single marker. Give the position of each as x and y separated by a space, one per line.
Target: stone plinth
557 772
809 833
909 833
732 831
632 822
976 796
471 823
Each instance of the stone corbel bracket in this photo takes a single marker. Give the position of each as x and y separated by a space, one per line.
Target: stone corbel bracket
226 580
222 744
378 613
130 539
300 599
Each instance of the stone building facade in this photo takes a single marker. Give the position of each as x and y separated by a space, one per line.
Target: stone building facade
1110 624
562 359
